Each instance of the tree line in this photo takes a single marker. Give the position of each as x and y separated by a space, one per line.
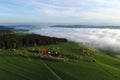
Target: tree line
10 40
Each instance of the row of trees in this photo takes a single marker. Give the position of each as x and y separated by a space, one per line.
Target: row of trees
2 32
12 41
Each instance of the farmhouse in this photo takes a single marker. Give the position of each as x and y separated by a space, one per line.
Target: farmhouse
42 51
84 50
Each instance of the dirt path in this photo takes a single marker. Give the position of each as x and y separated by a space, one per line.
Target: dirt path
55 74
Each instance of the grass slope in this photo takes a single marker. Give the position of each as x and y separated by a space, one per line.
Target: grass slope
105 68
19 68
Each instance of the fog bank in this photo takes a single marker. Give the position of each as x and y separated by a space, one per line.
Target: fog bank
102 38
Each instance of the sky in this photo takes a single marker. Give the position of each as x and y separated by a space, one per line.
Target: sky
93 12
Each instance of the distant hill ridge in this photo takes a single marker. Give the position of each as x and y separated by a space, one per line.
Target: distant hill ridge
86 26
5 28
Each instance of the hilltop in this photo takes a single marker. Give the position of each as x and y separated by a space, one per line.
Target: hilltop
77 64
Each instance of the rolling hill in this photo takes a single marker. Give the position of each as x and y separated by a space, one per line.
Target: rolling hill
78 67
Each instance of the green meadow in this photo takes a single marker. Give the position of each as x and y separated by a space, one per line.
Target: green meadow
75 65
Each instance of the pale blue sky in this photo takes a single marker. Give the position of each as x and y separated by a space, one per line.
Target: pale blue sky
61 11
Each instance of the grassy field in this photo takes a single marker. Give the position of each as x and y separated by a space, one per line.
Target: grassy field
78 66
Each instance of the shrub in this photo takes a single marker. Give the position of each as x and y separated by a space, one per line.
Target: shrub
25 54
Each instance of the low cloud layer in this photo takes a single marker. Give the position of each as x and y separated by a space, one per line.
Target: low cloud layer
102 38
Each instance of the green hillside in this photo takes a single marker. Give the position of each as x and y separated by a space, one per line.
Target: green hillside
76 65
